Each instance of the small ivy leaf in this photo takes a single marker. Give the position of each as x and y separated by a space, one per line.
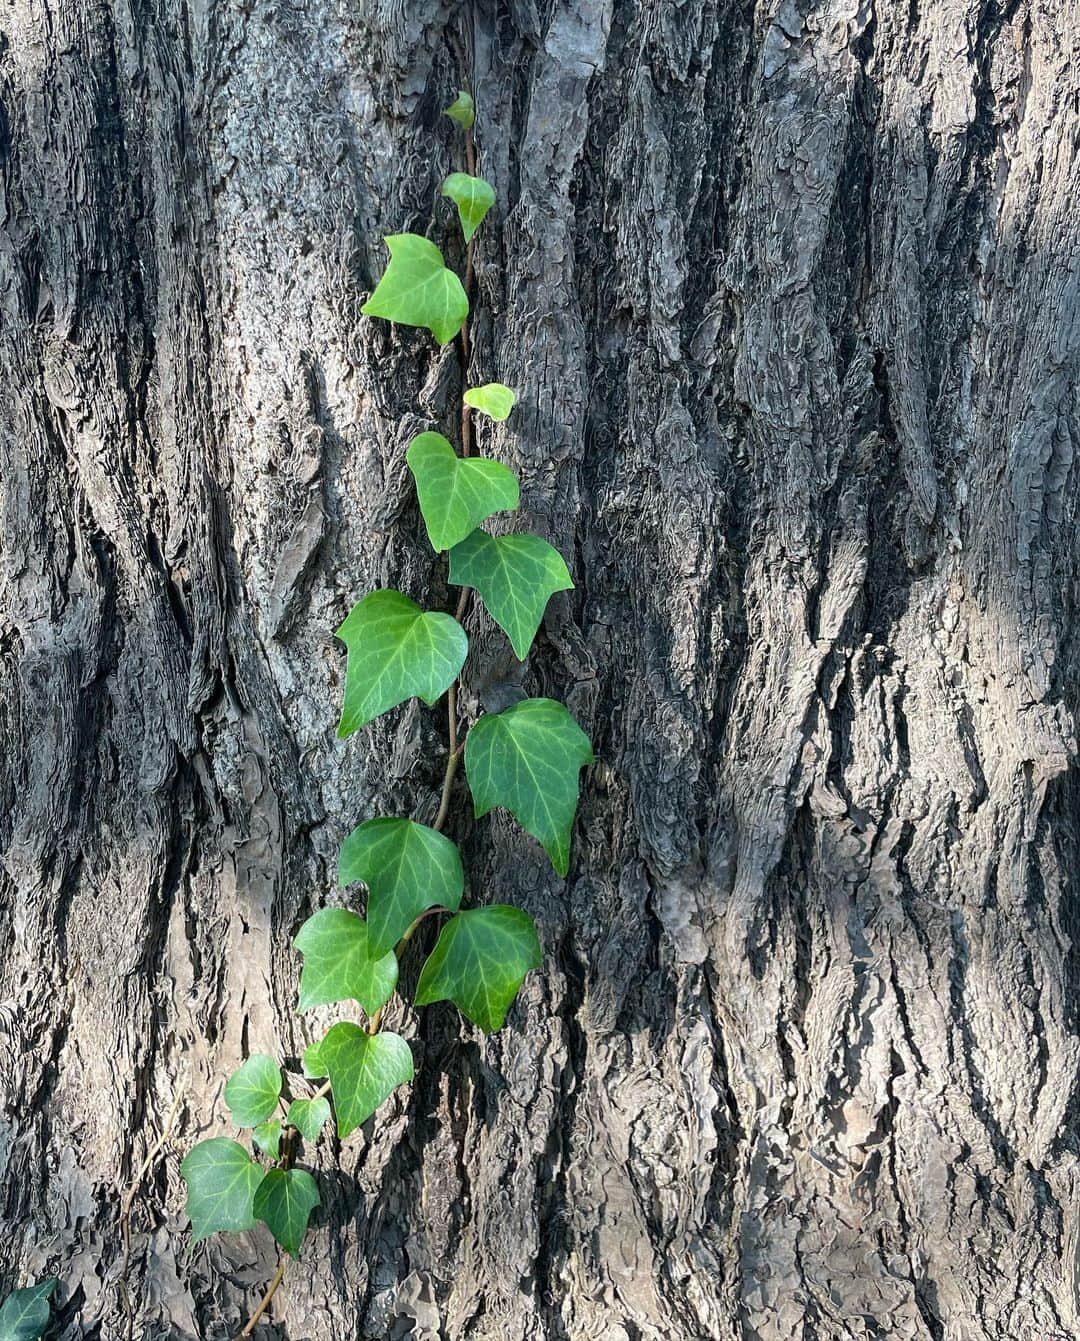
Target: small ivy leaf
479 962
462 110
253 1090
283 1202
473 198
364 1069
457 493
407 867
25 1313
311 1063
267 1138
527 758
492 399
221 1177
396 651
417 289
338 966
308 1116
516 575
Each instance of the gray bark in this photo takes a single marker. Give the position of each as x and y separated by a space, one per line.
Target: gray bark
789 294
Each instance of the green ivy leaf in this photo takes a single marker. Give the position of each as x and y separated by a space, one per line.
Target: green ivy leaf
311 1063
492 399
473 198
308 1116
516 575
527 758
25 1313
267 1138
417 289
457 493
396 651
338 965
462 110
253 1091
407 867
283 1202
221 1177
364 1070
479 962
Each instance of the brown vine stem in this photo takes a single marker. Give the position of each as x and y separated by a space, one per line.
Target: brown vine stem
464 350
288 1152
265 1301
128 1203
456 746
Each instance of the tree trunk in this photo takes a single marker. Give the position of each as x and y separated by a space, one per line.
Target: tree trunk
789 293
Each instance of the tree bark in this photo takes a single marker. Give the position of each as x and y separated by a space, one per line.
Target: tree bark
789 294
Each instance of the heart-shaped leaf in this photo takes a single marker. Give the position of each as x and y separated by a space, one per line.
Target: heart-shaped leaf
473 198
396 651
308 1116
364 1070
527 758
25 1313
492 399
457 493
516 575
222 1178
252 1092
479 962
283 1202
267 1138
339 967
417 289
462 110
407 867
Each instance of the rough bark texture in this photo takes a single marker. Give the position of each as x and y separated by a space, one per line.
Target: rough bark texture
789 292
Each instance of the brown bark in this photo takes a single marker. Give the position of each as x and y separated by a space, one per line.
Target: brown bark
789 294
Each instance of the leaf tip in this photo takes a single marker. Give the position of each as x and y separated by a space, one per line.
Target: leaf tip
462 110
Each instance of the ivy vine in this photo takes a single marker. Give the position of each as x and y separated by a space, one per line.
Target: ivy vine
525 759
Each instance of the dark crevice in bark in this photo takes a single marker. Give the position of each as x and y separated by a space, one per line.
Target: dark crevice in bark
979 1100
551 1172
